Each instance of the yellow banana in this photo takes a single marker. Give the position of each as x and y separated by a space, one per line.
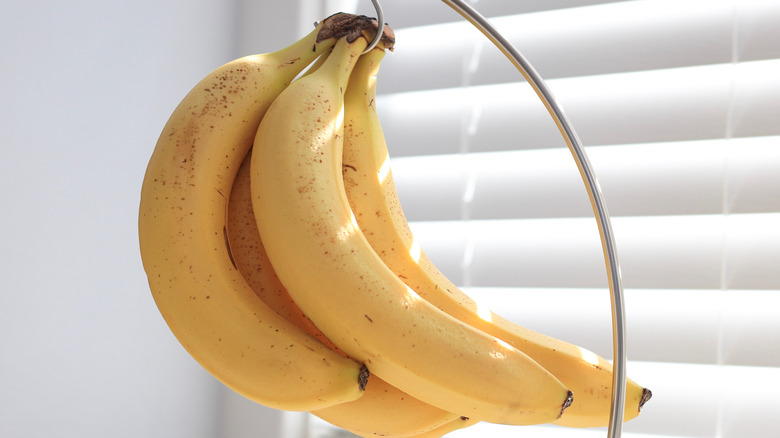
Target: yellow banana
452 426
371 191
201 295
383 410
339 282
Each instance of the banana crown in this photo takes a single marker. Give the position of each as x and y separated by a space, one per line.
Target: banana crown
353 27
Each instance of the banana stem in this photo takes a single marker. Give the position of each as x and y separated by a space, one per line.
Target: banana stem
596 198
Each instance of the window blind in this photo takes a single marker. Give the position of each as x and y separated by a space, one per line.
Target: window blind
678 105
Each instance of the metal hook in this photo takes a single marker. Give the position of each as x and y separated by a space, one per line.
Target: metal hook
380 18
596 198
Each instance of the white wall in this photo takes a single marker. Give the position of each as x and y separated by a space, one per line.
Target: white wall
85 88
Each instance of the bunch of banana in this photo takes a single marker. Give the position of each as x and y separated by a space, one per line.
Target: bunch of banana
278 254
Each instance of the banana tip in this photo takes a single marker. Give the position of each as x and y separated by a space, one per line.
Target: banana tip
569 400
646 395
363 377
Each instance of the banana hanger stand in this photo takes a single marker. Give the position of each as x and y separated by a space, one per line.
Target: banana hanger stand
591 184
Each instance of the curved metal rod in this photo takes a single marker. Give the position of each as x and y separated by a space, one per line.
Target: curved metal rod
380 19
597 202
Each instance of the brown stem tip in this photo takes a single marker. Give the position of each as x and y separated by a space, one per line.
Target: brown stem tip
567 403
646 395
363 377
353 27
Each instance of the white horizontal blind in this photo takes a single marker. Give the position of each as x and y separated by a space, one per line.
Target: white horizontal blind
678 105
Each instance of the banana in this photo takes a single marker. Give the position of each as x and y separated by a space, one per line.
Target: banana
452 426
247 252
340 283
203 298
383 410
373 199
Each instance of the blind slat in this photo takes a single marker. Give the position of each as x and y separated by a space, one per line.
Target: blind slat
661 324
739 251
409 13
685 104
582 42
672 178
757 34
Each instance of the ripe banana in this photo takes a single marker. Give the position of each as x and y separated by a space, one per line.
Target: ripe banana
383 410
339 282
452 426
372 196
201 295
